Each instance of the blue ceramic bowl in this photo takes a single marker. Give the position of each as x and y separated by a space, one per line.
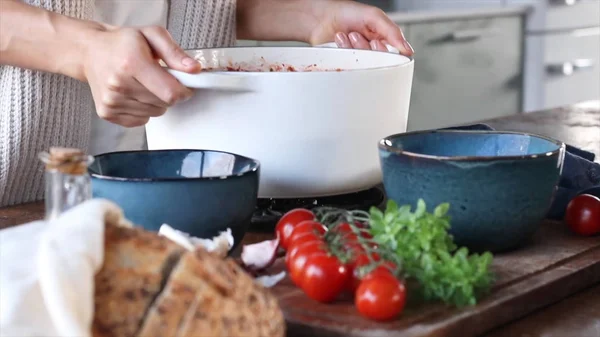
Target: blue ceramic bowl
499 184
196 191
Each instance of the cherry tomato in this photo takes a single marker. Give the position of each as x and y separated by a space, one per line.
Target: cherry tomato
348 233
324 277
357 248
296 268
380 297
297 262
364 230
288 221
304 248
304 238
583 214
384 267
306 227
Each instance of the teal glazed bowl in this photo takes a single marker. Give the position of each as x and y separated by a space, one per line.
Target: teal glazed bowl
500 185
196 191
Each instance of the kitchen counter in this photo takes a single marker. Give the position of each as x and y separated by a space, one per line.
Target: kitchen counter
577 125
577 315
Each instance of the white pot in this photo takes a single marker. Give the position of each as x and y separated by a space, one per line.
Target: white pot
314 133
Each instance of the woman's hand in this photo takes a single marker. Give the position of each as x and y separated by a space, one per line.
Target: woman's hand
128 84
347 23
354 25
120 64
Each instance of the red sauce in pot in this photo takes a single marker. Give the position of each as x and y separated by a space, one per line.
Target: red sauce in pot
264 66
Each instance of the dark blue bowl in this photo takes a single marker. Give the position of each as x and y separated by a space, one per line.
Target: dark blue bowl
499 184
196 191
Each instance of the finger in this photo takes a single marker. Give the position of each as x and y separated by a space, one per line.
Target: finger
154 77
358 41
387 30
128 121
378 45
342 41
169 51
162 84
132 89
115 103
139 109
142 95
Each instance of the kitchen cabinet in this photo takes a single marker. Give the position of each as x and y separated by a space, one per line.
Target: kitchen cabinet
546 22
571 67
560 32
566 14
554 15
465 70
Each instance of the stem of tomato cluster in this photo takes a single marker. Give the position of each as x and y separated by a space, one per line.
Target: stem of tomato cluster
333 217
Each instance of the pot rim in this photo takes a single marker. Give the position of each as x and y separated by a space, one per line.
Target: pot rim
559 151
255 167
410 62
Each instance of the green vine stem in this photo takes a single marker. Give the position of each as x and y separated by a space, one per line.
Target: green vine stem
332 218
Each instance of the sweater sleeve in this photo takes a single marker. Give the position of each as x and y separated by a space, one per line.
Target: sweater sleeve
39 110
196 24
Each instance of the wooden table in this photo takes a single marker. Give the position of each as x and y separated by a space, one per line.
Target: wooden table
578 315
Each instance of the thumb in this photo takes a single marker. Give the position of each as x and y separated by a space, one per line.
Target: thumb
163 45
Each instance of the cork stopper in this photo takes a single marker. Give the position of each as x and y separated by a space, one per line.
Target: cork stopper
66 160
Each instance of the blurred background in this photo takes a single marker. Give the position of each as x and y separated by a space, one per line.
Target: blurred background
480 59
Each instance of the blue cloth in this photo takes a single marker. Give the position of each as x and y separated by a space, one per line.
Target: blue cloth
580 174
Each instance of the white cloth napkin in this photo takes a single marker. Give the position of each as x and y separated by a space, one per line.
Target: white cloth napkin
47 272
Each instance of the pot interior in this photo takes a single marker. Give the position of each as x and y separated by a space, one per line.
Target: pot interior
295 59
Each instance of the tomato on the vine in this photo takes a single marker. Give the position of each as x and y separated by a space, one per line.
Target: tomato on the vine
303 248
304 238
323 277
383 267
583 214
349 234
288 221
306 227
380 297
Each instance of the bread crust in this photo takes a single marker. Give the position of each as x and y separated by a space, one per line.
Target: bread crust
149 287
136 264
230 303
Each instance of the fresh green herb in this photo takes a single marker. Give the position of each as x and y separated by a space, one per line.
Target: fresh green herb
429 255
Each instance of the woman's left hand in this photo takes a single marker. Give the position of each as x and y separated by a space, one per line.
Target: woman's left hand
354 25
349 24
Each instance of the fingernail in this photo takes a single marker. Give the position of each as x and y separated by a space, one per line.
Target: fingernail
402 34
374 45
354 37
188 62
408 47
339 39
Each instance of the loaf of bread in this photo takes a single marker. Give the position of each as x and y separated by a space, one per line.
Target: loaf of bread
149 286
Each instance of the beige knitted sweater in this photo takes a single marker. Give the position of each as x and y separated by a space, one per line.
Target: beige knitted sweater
39 110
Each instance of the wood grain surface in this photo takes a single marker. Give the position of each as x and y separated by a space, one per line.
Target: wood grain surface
554 265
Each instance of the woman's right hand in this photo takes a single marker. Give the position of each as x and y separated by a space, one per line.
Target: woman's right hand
128 84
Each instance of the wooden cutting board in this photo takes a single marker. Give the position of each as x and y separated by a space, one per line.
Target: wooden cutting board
554 265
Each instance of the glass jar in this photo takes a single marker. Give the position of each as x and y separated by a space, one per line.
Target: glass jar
68 183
